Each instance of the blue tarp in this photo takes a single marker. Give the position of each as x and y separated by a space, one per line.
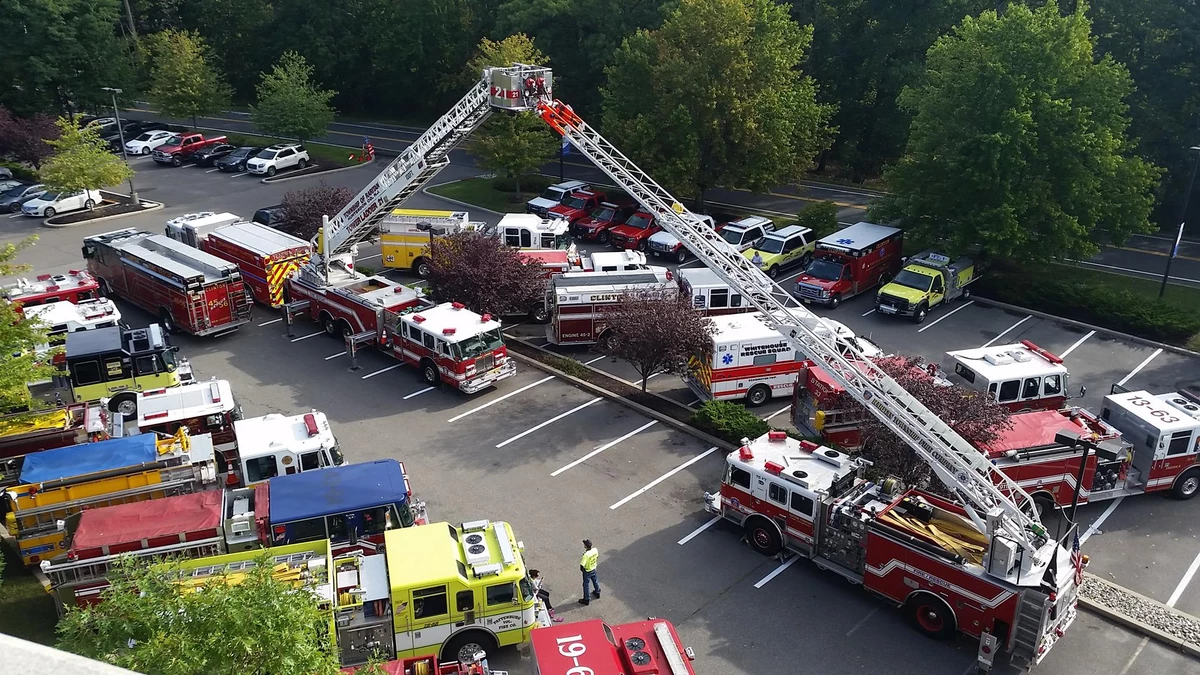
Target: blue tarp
77 460
349 487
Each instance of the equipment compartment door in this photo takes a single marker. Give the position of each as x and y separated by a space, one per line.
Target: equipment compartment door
216 303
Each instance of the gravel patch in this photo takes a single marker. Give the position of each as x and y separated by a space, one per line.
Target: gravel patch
1150 612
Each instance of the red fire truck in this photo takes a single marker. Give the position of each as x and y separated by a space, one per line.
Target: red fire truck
265 255
187 289
75 286
917 550
1019 377
579 301
351 307
849 262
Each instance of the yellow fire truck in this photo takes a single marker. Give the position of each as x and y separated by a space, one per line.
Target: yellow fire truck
437 590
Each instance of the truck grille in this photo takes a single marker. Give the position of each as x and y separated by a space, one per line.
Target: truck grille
660 247
898 303
808 291
618 240
485 363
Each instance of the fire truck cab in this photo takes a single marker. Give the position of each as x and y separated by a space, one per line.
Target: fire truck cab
1019 376
75 286
527 231
116 363
650 647
405 235
1164 430
282 445
579 302
449 344
62 317
203 407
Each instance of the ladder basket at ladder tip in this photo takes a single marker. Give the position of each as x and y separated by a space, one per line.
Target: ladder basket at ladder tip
519 87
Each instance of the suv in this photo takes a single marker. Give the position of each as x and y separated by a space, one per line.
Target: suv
664 243
596 225
278 157
553 196
635 232
577 205
782 249
745 233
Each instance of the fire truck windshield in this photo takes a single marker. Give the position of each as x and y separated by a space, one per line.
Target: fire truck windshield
913 280
825 269
478 345
638 221
168 358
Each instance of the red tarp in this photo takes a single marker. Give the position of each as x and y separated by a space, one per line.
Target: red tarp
126 523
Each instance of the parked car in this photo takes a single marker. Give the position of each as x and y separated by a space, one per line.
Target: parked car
236 161
5 173
271 216
277 158
208 156
7 184
131 129
147 142
16 196
48 204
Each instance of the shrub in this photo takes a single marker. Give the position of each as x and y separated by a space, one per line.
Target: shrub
729 421
821 218
531 183
21 172
569 366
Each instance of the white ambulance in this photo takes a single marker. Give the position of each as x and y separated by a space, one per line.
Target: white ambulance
579 302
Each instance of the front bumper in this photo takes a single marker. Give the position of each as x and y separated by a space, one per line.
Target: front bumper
480 382
163 159
622 242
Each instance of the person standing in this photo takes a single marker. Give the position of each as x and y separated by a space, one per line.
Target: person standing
543 594
587 565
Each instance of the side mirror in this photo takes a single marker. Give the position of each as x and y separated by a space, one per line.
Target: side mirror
1082 392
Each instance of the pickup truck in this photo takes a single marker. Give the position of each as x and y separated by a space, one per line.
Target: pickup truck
927 280
577 205
635 232
664 243
597 225
177 147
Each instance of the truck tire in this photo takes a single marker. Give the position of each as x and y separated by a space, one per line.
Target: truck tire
920 314
328 324
421 268
602 237
1187 486
105 290
763 535
681 256
643 245
773 272
302 164
607 341
966 294
124 404
175 161
429 373
834 301
539 314
932 616
164 318
270 171
463 647
1043 505
758 395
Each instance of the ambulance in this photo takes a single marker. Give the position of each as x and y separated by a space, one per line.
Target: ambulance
527 231
579 302
1018 376
710 294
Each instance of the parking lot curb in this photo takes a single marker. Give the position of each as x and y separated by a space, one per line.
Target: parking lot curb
154 207
283 179
1086 326
473 207
1189 648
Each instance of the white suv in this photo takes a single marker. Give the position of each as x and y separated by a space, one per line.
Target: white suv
278 157
144 144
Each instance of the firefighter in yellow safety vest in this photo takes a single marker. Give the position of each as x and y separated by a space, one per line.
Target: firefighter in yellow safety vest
587 565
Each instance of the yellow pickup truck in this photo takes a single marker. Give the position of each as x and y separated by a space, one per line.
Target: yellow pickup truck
927 280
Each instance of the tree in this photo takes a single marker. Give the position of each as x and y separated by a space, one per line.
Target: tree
485 275
25 138
716 98
1018 144
821 218
971 414
656 332
182 82
20 339
148 623
302 209
290 102
82 161
512 144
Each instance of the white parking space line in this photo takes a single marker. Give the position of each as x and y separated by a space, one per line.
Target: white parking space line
1183 583
947 315
1141 365
212 170
501 398
1008 330
776 572
698 530
305 337
862 621
16 215
1136 653
598 358
548 422
1095 526
663 477
382 371
334 356
693 261
778 412
1077 343
868 312
268 323
604 447
693 403
418 393
371 257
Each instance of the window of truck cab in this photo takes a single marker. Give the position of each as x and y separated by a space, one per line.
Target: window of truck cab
910 279
477 345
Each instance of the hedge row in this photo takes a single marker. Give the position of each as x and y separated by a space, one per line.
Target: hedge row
20 171
729 421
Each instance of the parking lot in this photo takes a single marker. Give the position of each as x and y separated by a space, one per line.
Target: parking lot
560 465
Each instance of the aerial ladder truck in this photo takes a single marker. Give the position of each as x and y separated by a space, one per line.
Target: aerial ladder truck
1019 552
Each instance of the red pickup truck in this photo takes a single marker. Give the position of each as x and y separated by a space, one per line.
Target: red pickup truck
634 232
577 205
597 225
176 150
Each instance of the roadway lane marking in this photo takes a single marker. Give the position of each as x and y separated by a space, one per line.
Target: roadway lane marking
334 356
1008 330
548 422
497 400
1141 365
947 315
1183 583
862 621
268 323
418 393
868 312
305 337
1077 343
598 358
384 370
604 447
698 530
663 477
778 412
776 572
1154 275
1095 526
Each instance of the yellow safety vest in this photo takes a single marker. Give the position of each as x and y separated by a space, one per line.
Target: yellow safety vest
590 558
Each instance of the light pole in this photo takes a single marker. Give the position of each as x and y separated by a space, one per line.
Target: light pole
121 133
1182 221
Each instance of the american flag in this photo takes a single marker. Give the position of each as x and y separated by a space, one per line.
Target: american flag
1077 559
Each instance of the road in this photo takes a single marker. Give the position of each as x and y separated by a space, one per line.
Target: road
561 465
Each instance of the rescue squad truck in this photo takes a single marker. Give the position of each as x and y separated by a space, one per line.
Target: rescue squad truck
25 433
405 236
115 363
187 289
710 294
527 231
265 256
581 301
1164 430
927 280
1019 376
849 262
915 549
75 286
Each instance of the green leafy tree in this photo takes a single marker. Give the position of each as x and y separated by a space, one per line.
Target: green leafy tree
820 217
716 97
256 625
512 144
656 332
20 339
1018 144
182 82
290 103
81 160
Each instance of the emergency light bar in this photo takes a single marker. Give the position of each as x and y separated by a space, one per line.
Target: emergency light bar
666 642
449 331
1046 354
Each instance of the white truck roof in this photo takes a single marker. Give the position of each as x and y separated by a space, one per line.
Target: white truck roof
857 236
272 433
618 260
202 222
701 277
534 222
23 288
451 315
592 286
186 401
742 328
1004 362
173 256
257 238
75 316
813 467
1167 413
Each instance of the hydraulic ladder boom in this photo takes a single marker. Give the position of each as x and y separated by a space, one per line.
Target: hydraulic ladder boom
994 502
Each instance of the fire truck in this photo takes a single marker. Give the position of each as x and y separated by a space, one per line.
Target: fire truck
405 236
530 232
187 289
62 317
1019 377
265 256
75 286
29 432
57 483
849 262
351 507
579 302
115 363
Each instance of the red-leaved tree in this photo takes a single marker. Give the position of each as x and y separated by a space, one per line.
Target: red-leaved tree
485 275
656 331
302 209
25 138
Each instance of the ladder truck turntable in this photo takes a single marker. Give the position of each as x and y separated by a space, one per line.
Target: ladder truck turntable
1017 552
